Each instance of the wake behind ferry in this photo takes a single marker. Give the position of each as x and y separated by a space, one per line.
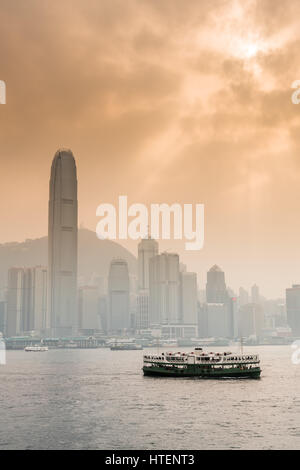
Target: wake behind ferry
199 363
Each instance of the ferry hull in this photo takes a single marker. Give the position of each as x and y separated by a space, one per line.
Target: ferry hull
191 371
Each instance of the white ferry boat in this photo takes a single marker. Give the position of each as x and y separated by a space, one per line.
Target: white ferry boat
199 363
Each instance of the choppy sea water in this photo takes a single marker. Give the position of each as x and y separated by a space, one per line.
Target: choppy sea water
99 399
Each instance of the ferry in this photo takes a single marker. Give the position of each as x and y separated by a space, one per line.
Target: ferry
125 346
199 363
36 348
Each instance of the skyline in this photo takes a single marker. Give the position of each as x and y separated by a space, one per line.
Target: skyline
164 104
149 227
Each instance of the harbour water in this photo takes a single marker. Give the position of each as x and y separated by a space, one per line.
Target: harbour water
99 399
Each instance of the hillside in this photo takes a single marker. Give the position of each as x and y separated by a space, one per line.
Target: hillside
94 256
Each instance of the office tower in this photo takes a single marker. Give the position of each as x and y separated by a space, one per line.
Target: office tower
164 289
201 296
188 297
62 244
233 317
133 296
250 320
88 311
142 319
216 291
147 249
103 312
214 321
100 282
39 299
27 301
118 295
255 297
14 301
275 313
202 320
34 308
243 296
182 267
3 306
293 308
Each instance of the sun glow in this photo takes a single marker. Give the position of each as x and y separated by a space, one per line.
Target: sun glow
248 48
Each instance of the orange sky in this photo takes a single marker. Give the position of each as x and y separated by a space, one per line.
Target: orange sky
163 101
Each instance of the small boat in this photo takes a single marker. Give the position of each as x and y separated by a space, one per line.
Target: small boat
36 348
125 346
202 364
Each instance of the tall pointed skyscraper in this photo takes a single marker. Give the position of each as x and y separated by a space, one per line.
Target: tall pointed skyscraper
62 245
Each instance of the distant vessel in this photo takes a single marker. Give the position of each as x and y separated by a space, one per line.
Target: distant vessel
202 364
125 346
36 348
71 345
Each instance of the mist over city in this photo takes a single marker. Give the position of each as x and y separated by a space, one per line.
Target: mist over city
149 259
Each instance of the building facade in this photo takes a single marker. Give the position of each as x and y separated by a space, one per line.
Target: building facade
89 321
164 289
147 249
293 308
216 291
188 297
14 322
118 296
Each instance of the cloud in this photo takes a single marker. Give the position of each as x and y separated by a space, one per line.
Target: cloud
164 100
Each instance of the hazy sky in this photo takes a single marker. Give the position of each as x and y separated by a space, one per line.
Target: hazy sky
162 101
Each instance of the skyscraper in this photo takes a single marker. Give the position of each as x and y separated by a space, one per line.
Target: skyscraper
89 317
243 297
118 295
164 289
39 299
188 297
34 311
62 240
250 320
255 297
27 300
15 301
147 249
293 308
216 291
